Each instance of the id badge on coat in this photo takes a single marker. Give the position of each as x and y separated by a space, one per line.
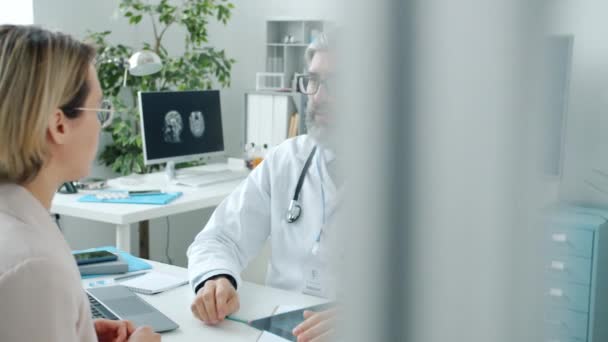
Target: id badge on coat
315 278
318 277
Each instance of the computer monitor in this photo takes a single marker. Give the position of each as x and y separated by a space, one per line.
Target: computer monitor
180 126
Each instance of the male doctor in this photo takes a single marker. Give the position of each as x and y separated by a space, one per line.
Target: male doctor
290 198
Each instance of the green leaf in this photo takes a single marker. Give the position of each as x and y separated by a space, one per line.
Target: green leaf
135 19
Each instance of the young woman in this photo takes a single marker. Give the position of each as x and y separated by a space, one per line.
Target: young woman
49 128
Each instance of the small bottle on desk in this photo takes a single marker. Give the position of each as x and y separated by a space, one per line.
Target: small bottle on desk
258 157
249 150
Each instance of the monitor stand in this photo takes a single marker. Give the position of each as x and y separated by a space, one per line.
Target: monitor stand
170 171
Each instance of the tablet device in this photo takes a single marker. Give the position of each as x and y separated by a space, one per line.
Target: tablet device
283 324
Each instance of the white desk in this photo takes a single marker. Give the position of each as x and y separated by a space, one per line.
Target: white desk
256 302
122 215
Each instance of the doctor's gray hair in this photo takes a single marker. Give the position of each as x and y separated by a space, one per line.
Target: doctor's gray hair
321 43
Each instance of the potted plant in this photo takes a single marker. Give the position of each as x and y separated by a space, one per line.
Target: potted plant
199 67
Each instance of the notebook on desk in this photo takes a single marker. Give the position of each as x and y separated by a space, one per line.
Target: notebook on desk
154 282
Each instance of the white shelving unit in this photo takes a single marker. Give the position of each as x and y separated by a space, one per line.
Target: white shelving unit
268 108
284 54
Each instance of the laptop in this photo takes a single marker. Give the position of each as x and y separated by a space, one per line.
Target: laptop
120 303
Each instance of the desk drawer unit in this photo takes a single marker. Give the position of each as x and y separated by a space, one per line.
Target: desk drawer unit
569 269
567 323
576 275
563 241
567 296
559 339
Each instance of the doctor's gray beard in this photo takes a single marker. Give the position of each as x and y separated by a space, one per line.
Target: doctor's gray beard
322 134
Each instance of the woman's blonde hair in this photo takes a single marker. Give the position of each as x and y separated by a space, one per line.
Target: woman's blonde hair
40 72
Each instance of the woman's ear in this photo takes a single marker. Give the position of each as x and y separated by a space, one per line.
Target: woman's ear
58 129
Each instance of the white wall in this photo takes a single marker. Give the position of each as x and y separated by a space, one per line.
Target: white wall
587 122
585 139
243 38
19 12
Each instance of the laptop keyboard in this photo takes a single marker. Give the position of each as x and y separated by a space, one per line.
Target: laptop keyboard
98 310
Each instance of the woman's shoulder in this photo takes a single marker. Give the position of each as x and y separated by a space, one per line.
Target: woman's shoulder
34 287
22 246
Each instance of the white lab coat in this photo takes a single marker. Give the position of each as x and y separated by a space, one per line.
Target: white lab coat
256 211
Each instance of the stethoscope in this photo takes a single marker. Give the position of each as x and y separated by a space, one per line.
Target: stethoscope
295 209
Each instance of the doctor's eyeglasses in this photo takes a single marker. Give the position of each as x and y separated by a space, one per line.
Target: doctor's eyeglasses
310 84
105 112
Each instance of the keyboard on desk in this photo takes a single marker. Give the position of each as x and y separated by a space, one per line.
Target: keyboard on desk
98 310
210 178
119 302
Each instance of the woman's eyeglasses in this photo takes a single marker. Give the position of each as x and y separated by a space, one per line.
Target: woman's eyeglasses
105 112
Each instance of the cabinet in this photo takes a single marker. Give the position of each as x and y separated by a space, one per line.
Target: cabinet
268 117
576 274
269 110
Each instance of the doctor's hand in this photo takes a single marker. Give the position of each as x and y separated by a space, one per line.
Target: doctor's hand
113 331
317 326
216 300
